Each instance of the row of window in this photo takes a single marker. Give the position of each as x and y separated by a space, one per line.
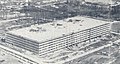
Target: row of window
76 38
63 39
22 42
50 50
21 45
22 39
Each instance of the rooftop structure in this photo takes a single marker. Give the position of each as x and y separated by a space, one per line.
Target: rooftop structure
44 32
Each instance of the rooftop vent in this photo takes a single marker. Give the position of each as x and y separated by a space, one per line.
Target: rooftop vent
59 24
77 20
70 20
53 24
33 30
38 29
63 34
80 24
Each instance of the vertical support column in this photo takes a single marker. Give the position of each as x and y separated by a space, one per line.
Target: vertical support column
89 34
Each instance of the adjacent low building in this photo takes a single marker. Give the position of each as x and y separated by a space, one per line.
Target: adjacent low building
115 26
49 37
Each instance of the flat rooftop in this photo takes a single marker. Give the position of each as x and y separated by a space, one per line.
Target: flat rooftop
102 1
57 28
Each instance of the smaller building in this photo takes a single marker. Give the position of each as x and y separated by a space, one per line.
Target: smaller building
115 26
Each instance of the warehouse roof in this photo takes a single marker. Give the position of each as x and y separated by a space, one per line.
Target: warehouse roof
58 28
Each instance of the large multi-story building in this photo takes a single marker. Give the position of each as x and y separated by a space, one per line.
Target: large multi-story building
49 37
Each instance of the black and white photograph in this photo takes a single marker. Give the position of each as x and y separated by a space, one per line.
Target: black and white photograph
59 31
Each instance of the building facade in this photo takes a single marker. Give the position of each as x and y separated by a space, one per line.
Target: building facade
73 38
